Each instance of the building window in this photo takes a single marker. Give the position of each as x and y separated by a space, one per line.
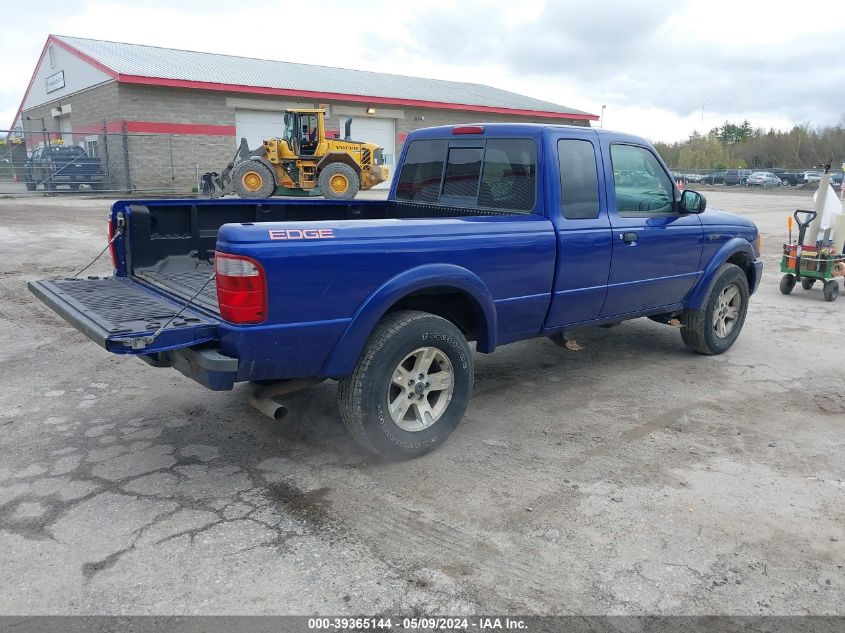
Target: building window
52 56
92 147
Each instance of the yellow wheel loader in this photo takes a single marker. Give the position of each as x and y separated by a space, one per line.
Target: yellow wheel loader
303 162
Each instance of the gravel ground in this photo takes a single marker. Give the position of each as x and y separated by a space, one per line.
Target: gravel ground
630 477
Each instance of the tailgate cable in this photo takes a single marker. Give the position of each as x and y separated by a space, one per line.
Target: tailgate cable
141 342
117 233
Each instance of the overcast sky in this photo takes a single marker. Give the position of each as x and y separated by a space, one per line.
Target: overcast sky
663 69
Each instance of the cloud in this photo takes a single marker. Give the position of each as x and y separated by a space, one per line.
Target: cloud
673 56
663 68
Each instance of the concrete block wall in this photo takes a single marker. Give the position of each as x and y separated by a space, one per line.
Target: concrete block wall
174 161
174 105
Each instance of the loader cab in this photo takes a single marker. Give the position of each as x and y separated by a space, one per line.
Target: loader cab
302 132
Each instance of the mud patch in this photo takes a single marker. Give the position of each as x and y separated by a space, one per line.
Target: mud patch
311 506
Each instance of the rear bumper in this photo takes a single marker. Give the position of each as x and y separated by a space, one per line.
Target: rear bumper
207 366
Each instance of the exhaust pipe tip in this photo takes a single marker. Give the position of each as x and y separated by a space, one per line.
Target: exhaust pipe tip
269 407
280 413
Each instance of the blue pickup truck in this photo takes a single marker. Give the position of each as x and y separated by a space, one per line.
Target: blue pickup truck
491 233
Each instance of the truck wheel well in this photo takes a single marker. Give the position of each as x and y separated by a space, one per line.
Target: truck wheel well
742 260
451 304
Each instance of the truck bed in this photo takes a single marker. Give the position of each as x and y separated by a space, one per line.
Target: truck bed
184 276
172 242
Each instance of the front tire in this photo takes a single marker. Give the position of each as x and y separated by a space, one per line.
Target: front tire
831 290
251 179
338 181
715 328
807 283
410 387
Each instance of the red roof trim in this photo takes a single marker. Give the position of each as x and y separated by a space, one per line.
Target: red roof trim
310 94
86 58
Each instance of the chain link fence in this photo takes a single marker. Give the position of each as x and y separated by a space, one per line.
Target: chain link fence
35 163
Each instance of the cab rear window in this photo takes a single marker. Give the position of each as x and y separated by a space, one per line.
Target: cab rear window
496 174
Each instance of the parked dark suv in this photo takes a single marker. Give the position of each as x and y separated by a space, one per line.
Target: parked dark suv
62 165
737 176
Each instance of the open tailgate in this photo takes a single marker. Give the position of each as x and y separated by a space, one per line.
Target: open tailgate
122 315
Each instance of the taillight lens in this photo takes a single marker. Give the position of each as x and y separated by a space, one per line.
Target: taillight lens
241 288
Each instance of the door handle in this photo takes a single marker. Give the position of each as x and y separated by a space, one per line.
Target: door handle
629 238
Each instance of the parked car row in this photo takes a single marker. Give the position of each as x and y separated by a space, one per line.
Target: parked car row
747 177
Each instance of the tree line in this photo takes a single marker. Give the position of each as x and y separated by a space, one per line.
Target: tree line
741 145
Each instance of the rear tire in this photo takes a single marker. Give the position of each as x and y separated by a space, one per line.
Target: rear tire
251 179
787 283
807 283
30 186
387 407
715 328
338 181
831 290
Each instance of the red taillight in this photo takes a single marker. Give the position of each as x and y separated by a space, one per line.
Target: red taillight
112 250
241 288
468 129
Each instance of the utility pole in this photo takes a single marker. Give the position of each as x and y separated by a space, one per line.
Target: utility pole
602 115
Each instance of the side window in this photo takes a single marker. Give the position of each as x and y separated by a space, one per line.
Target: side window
419 180
579 181
508 180
642 187
463 169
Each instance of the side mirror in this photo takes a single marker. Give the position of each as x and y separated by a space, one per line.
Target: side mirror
693 202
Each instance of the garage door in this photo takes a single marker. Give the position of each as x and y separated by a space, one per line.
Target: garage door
255 126
382 132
